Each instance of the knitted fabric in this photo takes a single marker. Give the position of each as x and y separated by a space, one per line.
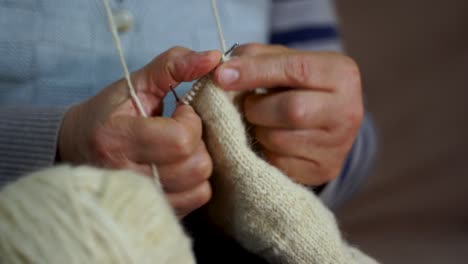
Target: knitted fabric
257 204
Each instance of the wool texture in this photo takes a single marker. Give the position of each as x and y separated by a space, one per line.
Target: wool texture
255 203
89 215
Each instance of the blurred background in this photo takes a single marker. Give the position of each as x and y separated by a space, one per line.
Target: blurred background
414 61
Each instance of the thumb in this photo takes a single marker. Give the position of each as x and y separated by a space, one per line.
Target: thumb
177 65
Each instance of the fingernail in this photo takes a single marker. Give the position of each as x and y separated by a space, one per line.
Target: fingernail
228 76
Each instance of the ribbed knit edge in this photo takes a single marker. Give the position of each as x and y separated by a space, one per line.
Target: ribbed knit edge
28 139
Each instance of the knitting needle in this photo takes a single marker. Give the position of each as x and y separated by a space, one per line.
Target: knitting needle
225 54
231 49
175 94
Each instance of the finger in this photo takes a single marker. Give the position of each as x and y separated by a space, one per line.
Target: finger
154 140
253 49
320 71
178 65
290 142
301 171
305 144
182 176
299 109
188 201
187 174
168 140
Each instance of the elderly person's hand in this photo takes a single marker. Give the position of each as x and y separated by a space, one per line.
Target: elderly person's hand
308 121
107 130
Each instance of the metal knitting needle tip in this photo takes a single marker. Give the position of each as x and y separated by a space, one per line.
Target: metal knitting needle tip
231 49
175 94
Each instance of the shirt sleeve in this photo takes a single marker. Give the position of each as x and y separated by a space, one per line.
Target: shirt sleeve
28 139
305 24
313 25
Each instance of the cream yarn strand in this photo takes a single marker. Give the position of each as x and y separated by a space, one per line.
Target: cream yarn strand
132 91
222 41
117 42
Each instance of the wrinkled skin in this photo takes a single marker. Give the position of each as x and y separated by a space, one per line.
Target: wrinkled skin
305 125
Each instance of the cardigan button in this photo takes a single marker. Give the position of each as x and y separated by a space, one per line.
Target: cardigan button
123 19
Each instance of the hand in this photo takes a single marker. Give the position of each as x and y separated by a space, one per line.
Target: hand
309 118
108 131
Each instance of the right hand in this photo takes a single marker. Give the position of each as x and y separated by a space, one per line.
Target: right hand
108 131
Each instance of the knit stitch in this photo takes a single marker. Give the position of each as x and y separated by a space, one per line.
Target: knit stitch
257 204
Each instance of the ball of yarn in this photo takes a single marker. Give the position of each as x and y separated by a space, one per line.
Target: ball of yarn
86 215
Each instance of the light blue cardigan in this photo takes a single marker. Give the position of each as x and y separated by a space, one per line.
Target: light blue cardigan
54 53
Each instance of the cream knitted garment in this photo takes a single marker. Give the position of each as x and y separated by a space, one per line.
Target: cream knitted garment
256 203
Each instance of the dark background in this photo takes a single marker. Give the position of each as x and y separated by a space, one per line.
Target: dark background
414 60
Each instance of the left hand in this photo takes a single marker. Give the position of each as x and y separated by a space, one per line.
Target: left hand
307 126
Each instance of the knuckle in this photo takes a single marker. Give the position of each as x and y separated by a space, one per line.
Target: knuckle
174 51
203 169
203 196
295 110
184 142
349 70
170 58
297 69
353 114
167 56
